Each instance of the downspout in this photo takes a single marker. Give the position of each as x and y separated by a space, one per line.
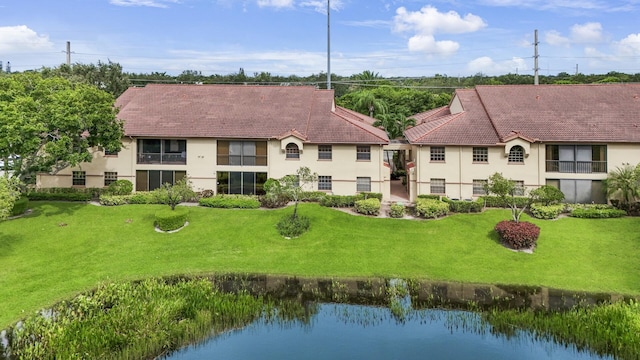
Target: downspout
539 173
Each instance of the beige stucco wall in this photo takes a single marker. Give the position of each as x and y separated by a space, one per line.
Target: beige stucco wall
459 170
202 170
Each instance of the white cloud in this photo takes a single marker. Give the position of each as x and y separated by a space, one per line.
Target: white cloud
629 46
488 66
428 44
554 38
148 3
275 3
21 39
429 21
587 33
321 6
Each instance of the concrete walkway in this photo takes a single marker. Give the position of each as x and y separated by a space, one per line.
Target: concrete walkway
399 192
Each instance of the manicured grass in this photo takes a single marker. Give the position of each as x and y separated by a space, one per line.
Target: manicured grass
65 248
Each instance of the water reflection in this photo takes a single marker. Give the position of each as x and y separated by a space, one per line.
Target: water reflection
389 319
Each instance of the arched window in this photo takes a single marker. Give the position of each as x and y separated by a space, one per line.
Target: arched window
292 151
516 154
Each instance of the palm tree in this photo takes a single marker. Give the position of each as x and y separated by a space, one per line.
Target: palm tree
394 124
623 183
367 103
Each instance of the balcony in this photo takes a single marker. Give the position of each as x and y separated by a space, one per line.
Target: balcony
576 167
160 158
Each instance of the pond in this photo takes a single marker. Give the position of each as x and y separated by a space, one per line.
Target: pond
340 331
427 320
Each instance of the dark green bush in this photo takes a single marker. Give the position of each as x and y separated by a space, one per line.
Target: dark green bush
20 206
120 187
430 196
63 196
142 197
430 208
290 226
547 195
312 196
518 235
494 201
231 202
167 219
464 206
338 201
597 212
547 212
396 210
369 206
368 195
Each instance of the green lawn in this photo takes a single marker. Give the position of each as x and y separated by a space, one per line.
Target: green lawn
64 248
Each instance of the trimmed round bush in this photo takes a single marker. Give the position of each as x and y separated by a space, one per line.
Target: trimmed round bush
396 210
167 219
290 226
518 235
120 187
369 206
430 208
20 206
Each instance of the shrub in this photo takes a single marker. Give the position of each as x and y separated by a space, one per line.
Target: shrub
142 197
369 206
464 206
231 202
547 195
368 195
167 219
495 201
312 196
429 196
273 200
547 212
518 235
597 212
62 196
120 187
430 208
20 206
396 210
114 200
338 201
293 226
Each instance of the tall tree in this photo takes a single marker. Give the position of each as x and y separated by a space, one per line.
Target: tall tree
367 103
52 123
105 76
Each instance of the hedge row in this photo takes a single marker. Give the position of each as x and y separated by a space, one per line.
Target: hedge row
139 197
494 201
64 194
464 206
546 212
231 202
347 200
20 206
597 212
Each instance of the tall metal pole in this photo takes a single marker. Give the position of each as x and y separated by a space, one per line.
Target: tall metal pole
69 53
328 44
535 58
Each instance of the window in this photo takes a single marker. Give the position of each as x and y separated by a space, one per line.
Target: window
324 152
516 155
437 153
480 155
582 159
162 151
363 153
246 183
148 180
324 182
478 187
110 177
292 151
242 153
519 188
79 178
438 186
363 184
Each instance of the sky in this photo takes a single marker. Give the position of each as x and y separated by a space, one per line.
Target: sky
394 38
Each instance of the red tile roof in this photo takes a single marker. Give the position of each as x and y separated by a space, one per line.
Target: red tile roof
558 113
243 112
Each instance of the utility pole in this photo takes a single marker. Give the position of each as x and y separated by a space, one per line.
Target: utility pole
68 53
328 44
535 58
576 69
